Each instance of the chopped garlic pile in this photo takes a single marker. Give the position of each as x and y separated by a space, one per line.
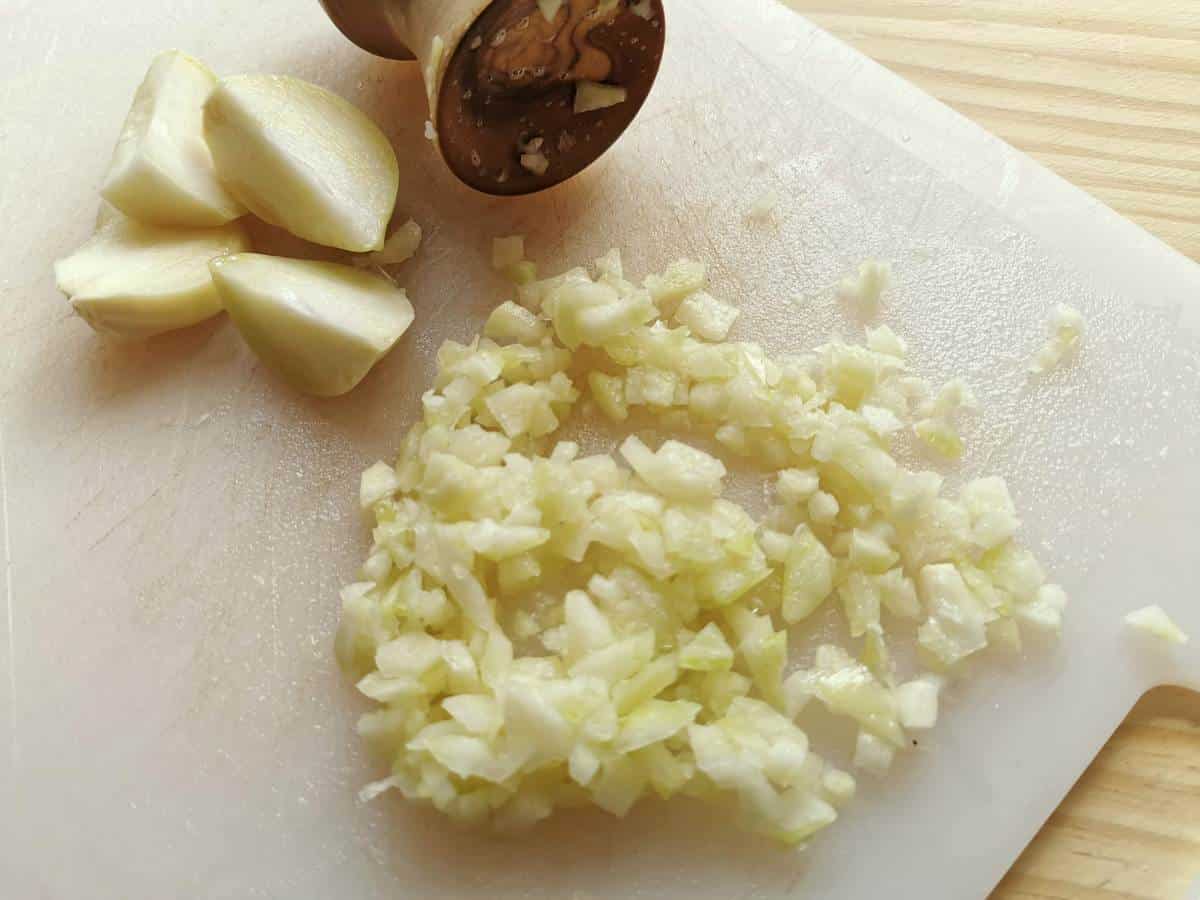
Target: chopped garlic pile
545 628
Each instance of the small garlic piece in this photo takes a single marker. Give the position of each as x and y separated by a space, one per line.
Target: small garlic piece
399 248
1154 621
1066 332
592 95
865 290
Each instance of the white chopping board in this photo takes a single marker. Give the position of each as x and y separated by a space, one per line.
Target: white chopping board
176 523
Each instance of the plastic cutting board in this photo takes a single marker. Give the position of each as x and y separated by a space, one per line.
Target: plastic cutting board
176 523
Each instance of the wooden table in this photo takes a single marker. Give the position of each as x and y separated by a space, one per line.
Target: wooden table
1106 93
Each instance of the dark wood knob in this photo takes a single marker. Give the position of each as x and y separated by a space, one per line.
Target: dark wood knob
507 117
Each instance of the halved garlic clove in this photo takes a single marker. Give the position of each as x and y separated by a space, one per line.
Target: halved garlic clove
162 172
137 280
304 159
322 326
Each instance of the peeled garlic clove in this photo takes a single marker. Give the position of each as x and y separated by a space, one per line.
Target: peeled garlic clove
322 326
303 159
161 172
138 280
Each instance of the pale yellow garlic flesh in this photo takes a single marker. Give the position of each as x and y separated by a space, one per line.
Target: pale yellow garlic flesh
302 158
162 171
1155 622
592 95
134 280
542 627
399 248
321 326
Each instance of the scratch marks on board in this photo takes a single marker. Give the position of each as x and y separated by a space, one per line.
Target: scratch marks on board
125 518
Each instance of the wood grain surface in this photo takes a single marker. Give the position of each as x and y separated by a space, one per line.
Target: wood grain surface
1107 94
1104 92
